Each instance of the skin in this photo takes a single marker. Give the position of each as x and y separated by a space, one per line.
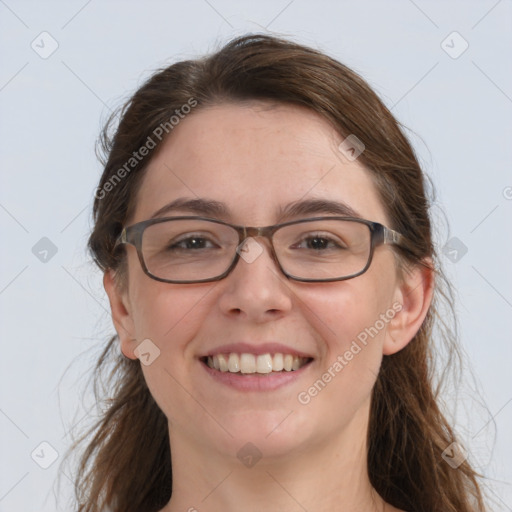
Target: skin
255 157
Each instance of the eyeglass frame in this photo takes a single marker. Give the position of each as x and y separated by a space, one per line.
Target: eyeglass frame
379 235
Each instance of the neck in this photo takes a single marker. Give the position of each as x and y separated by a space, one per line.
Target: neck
330 474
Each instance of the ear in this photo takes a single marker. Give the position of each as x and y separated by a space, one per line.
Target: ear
121 314
414 294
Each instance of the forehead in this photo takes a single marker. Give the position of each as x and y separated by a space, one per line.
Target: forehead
256 158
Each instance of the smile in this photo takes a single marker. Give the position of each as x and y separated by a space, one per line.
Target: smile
251 364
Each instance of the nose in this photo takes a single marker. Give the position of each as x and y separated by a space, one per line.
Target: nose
256 289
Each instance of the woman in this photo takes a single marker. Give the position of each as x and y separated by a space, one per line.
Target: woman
266 245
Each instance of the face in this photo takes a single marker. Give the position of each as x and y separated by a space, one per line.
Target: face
256 159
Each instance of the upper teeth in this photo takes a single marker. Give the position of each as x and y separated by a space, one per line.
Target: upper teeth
249 363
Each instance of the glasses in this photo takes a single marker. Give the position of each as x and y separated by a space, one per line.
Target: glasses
199 250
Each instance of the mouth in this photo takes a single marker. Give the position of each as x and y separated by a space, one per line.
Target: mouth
256 365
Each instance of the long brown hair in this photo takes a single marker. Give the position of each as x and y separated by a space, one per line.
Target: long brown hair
126 465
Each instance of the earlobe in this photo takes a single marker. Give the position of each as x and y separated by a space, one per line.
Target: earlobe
414 294
121 314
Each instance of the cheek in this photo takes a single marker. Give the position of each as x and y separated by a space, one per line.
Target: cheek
160 310
169 314
347 318
349 310
172 317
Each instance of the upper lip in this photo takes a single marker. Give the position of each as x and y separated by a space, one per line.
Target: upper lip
256 349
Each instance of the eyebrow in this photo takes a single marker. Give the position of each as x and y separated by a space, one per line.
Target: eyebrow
316 206
201 206
217 209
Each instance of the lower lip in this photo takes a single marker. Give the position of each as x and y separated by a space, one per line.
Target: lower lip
266 382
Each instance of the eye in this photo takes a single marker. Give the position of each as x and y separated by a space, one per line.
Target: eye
319 242
191 242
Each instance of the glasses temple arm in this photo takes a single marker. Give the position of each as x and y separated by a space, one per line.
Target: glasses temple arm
121 239
395 238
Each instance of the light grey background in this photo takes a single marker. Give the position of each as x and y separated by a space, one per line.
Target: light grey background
51 109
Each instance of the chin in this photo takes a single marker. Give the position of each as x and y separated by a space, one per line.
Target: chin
275 434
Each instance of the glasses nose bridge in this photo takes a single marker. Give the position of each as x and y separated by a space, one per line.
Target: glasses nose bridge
252 232
267 232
